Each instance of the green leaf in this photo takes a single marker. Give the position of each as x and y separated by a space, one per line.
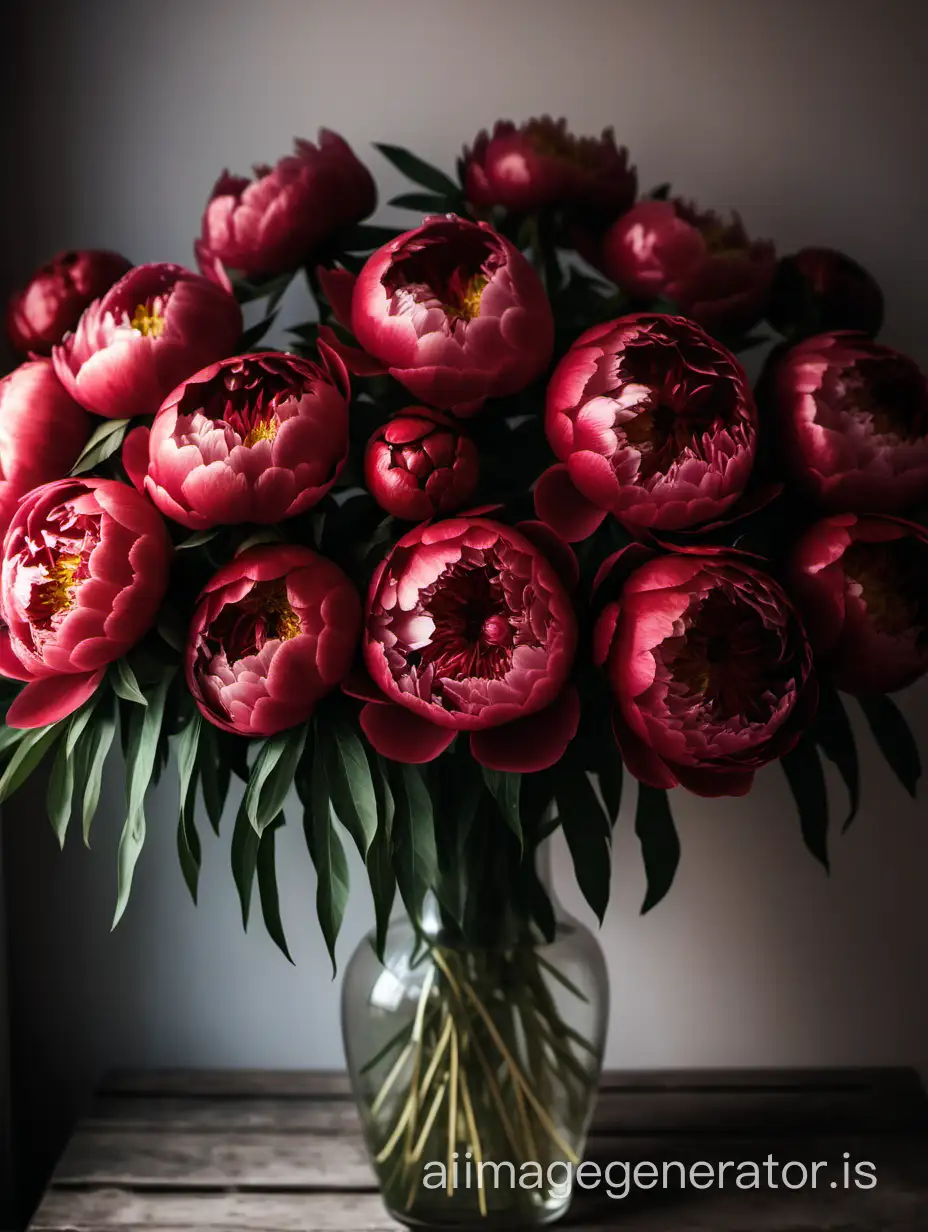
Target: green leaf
26 756
142 746
267 886
91 752
186 747
504 788
803 768
328 857
215 773
125 684
833 734
60 793
10 736
272 776
351 786
538 901
588 833
364 237
426 203
415 859
102 444
245 843
379 860
417 170
896 742
253 335
660 844
197 539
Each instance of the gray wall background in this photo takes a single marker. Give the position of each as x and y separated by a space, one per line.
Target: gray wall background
807 117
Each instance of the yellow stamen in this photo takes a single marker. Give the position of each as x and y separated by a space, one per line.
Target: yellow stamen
55 594
286 622
469 306
149 323
264 430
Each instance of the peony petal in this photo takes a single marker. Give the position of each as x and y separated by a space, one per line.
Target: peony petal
135 456
533 743
641 760
10 666
402 736
707 781
563 508
52 699
359 684
338 287
558 552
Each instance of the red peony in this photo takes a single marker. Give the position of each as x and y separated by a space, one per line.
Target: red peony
818 289
861 584
275 222
85 567
420 464
41 313
455 312
256 438
157 325
469 628
274 631
541 164
709 669
710 268
853 417
653 421
42 432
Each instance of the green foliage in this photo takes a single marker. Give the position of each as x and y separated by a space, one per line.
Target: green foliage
660 844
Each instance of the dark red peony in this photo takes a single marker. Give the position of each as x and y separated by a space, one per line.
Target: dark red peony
709 668
420 464
157 325
85 568
710 268
42 431
256 438
50 304
469 628
455 313
541 164
653 421
274 631
819 289
853 418
861 584
276 221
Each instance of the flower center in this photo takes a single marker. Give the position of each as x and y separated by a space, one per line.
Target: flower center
243 629
285 621
263 430
891 577
464 304
473 634
148 321
892 393
56 593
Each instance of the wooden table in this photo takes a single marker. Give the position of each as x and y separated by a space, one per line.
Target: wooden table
281 1151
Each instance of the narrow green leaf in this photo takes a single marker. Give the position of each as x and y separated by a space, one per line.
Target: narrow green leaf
895 740
92 750
60 793
125 684
144 732
272 776
253 335
351 786
538 900
415 859
427 203
328 857
186 744
267 886
245 842
10 736
504 788
364 237
215 774
417 170
379 860
102 444
196 540
26 756
660 844
588 833
833 734
803 768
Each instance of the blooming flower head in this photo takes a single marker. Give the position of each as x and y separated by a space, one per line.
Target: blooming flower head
42 431
276 221
256 438
85 568
710 268
853 418
154 327
541 164
653 421
861 584
274 631
819 289
469 628
455 312
41 313
709 668
420 464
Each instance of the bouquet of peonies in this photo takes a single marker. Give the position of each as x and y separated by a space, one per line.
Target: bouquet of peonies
505 517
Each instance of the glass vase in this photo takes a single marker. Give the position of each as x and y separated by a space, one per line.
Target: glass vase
476 1070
